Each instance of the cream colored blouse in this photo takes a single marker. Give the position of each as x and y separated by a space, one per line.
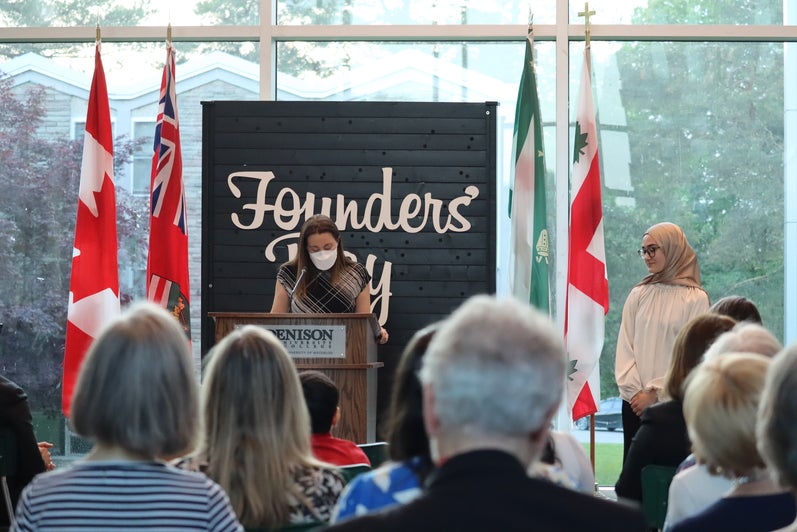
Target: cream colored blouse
653 315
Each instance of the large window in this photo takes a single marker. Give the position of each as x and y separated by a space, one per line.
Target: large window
691 130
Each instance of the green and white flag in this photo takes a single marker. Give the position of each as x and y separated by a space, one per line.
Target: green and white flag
529 243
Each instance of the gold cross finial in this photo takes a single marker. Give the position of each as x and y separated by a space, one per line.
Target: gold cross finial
586 14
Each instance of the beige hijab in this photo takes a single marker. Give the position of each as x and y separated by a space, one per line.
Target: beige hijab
681 267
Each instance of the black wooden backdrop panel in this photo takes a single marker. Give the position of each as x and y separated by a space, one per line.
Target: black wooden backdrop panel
434 162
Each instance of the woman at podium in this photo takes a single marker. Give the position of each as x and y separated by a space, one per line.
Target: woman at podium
320 278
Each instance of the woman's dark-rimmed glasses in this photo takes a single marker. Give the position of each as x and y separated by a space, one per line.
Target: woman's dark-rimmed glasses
650 251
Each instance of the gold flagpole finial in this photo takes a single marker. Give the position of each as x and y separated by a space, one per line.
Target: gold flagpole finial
169 34
98 36
586 14
531 23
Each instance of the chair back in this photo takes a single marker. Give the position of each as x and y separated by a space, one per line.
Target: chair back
656 481
376 452
306 526
351 471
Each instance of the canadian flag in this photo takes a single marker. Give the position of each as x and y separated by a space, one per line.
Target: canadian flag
587 300
94 284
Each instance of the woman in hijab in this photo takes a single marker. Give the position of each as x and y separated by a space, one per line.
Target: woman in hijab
654 312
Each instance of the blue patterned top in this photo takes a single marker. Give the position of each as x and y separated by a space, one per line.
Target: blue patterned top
390 484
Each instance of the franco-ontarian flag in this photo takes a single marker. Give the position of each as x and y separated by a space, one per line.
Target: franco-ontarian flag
167 260
529 244
94 283
587 284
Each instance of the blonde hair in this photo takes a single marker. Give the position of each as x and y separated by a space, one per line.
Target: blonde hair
745 337
137 387
720 408
257 427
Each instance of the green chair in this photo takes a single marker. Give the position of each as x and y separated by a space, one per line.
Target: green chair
291 527
655 492
351 471
376 452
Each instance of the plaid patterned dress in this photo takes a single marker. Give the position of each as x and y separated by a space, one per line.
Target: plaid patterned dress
322 296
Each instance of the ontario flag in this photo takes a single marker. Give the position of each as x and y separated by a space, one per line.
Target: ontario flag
167 260
94 283
529 245
587 300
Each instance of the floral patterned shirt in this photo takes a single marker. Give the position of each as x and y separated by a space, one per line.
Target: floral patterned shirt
314 494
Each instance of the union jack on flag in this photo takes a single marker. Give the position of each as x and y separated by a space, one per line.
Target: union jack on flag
167 261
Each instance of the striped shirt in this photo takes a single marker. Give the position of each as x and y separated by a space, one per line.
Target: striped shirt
322 296
124 496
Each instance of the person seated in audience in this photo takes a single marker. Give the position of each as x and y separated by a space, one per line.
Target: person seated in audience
492 378
739 308
745 337
32 457
322 398
257 434
694 488
776 428
662 438
720 407
399 480
564 462
136 398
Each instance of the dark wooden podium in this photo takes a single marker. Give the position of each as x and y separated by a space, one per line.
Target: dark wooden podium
354 374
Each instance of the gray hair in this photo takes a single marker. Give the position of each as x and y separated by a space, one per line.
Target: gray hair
137 388
497 366
745 337
777 418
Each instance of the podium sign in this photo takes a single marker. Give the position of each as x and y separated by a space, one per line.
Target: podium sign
311 341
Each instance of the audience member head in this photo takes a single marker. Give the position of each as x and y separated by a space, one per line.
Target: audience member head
322 398
493 374
720 408
737 307
137 389
257 427
777 419
406 434
745 337
691 343
673 259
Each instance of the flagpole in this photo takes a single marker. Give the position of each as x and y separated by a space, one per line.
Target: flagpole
168 278
529 241
587 13
94 279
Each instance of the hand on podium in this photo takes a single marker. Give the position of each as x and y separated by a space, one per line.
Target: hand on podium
383 336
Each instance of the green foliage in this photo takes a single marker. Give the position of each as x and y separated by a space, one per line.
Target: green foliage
709 12
74 13
40 176
55 13
295 58
705 126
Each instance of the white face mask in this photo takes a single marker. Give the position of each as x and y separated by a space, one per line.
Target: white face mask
324 259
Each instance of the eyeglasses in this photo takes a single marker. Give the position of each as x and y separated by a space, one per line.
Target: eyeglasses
650 251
